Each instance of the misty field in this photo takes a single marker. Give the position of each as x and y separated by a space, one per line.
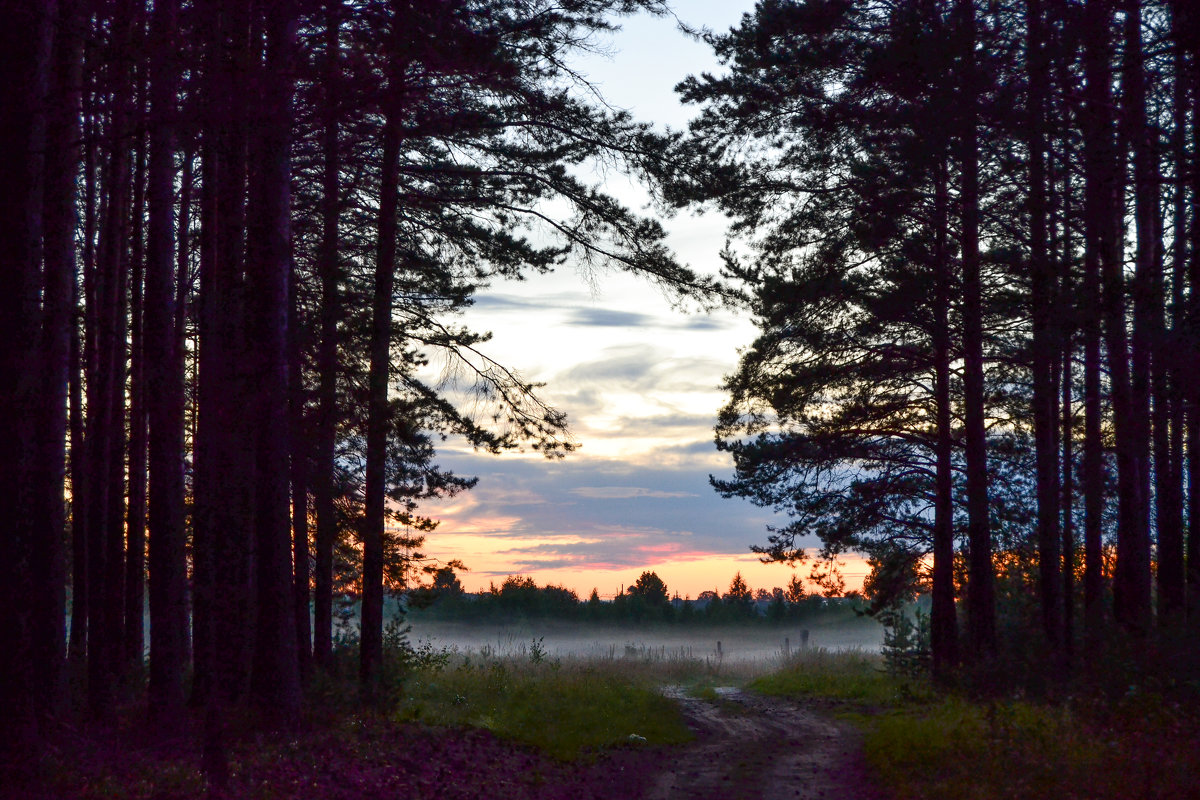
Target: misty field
736 643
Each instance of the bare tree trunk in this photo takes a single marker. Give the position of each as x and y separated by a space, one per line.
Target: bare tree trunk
275 679
24 73
106 405
164 388
1131 580
1102 302
1170 369
327 355
299 478
133 644
981 596
1045 349
58 334
224 461
81 459
943 616
371 641
1189 26
1065 251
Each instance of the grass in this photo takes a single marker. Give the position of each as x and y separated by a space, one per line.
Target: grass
567 710
846 675
1019 749
946 746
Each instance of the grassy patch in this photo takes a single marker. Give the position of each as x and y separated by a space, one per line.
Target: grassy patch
943 746
704 692
566 711
1017 749
846 675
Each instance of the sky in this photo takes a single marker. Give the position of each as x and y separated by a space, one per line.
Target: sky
639 381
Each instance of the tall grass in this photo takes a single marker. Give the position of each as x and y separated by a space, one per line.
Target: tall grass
942 745
564 710
570 706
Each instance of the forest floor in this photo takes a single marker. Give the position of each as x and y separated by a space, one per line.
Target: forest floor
746 746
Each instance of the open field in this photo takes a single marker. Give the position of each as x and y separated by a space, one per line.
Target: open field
741 643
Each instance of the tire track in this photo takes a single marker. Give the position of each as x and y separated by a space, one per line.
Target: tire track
751 746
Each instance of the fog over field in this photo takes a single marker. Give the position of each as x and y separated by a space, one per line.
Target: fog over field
583 640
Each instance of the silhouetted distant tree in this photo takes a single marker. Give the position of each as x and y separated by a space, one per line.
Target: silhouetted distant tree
650 589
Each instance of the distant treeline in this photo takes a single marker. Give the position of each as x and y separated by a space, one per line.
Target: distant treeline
647 600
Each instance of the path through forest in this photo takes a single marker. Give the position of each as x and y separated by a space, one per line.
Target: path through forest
751 746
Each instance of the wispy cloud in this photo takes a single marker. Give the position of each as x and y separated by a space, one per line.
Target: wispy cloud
611 318
625 492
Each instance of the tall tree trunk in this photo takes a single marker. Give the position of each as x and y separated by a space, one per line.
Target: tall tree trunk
164 388
1170 367
299 478
1189 26
224 461
1066 345
24 73
327 355
276 677
133 645
981 596
1131 580
114 536
1103 302
81 460
1045 350
106 404
371 641
58 318
943 618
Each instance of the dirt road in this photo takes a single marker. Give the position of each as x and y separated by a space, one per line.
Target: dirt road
750 746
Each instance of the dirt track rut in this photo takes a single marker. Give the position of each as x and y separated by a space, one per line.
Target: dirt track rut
750 746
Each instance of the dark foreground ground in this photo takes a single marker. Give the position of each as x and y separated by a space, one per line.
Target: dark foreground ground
746 746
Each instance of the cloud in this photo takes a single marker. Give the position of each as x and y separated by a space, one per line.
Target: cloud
624 492
500 302
615 548
704 322
577 311
615 505
611 318
628 364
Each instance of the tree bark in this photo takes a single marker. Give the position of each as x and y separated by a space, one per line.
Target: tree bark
133 643
24 74
299 477
164 388
82 364
58 318
1170 367
1131 579
327 355
106 404
371 641
275 679
1044 353
943 616
981 596
224 460
1189 25
1103 303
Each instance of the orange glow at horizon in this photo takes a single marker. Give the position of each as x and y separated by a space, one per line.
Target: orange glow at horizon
491 558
